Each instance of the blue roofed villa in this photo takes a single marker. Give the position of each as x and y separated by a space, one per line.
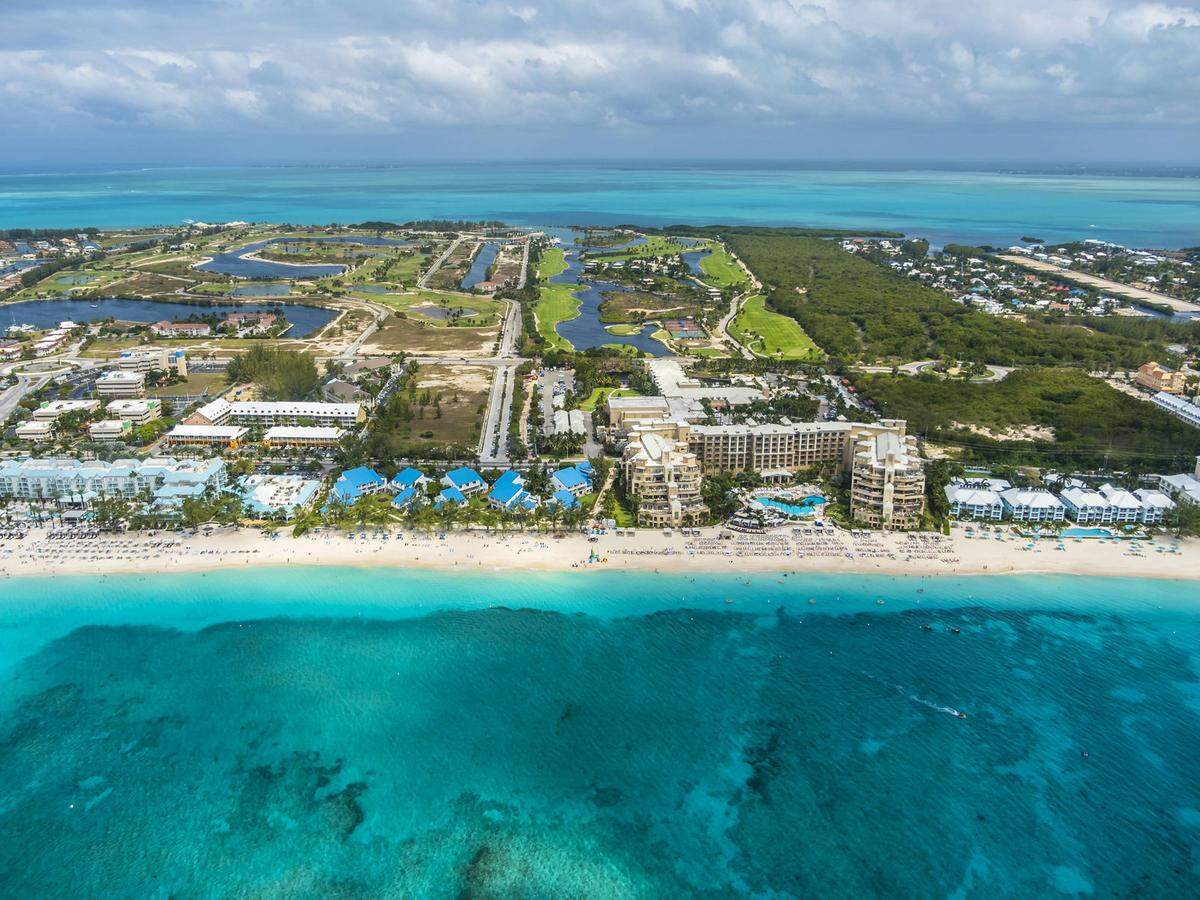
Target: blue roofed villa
574 479
468 481
406 498
450 495
357 482
508 493
409 478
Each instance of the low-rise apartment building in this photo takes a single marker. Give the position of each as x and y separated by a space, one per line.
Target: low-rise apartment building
268 414
1032 505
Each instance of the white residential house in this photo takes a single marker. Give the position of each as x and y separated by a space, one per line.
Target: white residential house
1027 505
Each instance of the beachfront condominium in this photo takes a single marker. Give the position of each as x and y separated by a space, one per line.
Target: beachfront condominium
267 414
888 485
977 498
665 476
1032 505
167 481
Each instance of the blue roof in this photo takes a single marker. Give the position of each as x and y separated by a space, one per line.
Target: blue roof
450 495
585 467
571 477
407 477
461 476
507 479
564 498
405 497
505 493
350 484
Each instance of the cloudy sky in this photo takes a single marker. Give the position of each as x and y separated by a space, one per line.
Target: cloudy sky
262 80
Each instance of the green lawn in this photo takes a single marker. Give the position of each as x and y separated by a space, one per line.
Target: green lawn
624 328
720 270
767 333
655 245
555 305
553 262
600 395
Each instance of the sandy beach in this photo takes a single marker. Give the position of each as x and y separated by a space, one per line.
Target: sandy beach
38 554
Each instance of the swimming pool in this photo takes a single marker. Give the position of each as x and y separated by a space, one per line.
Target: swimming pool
1076 531
807 507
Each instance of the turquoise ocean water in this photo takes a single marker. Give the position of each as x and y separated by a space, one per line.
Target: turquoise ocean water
372 732
1151 210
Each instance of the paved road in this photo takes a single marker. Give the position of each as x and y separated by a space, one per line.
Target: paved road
493 442
11 398
437 263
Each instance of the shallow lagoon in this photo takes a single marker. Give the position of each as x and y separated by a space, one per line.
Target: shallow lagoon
361 731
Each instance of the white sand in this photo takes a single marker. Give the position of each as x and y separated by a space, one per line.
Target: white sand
839 551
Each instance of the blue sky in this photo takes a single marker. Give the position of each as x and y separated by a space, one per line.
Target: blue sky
212 81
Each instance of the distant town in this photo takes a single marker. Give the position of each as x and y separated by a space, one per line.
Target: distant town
469 375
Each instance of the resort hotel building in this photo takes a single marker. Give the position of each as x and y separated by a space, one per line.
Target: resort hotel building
266 414
777 452
888 485
167 481
976 499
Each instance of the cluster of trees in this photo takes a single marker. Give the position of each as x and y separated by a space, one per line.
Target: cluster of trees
1094 425
279 374
856 310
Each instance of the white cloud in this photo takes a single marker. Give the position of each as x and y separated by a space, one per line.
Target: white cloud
378 66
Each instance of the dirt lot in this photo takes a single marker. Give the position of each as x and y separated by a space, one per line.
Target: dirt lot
419 338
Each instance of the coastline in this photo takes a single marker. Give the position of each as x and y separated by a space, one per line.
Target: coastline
838 552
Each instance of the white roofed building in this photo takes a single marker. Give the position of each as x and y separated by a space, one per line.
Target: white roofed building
974 500
1155 505
1032 505
1085 507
